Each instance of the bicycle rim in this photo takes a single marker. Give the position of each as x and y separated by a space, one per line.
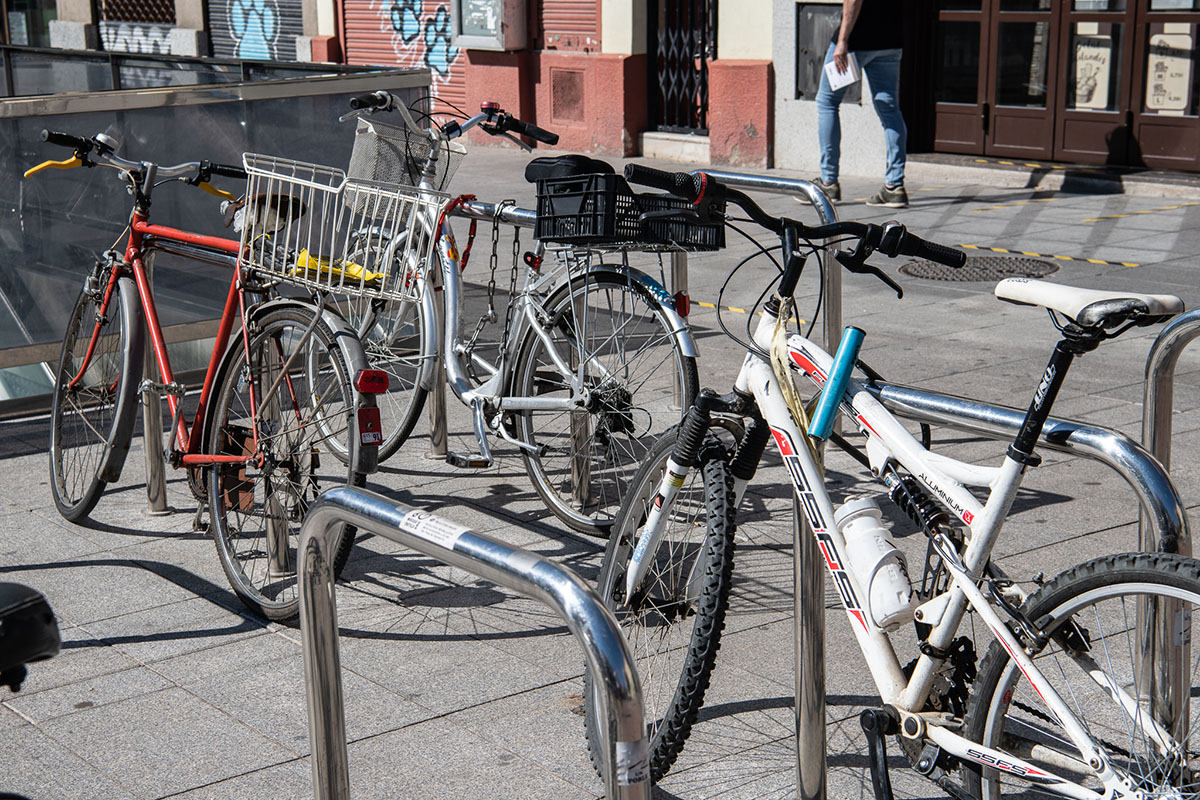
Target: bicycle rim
1097 637
257 506
610 329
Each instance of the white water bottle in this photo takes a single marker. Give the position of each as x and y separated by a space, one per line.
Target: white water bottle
880 570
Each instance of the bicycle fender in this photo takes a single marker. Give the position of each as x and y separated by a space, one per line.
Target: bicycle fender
427 377
679 326
114 458
364 459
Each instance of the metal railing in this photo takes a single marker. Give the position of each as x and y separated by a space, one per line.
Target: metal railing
615 680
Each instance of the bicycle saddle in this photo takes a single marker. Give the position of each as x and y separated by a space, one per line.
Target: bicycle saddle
564 167
28 632
1090 308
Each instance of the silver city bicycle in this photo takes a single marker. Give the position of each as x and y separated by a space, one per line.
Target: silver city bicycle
1087 689
593 361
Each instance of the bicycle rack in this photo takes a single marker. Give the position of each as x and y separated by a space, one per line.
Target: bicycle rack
618 692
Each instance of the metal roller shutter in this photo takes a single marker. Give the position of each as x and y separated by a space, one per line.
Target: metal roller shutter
407 33
570 25
255 29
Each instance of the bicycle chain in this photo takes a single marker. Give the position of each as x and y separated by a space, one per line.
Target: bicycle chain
512 284
493 261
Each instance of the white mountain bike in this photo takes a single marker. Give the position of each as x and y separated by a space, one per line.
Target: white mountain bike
1088 688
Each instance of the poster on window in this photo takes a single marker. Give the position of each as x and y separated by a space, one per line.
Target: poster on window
1169 71
1093 67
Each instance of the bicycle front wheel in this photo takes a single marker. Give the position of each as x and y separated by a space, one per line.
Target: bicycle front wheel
300 389
1099 617
611 332
95 394
673 623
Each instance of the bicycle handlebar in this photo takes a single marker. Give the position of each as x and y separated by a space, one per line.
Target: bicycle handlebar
67 140
510 123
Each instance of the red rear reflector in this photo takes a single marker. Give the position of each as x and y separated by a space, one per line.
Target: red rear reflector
370 429
683 304
371 381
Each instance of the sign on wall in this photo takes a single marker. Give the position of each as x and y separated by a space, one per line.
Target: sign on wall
1169 69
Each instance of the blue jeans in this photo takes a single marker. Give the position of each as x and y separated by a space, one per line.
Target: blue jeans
882 69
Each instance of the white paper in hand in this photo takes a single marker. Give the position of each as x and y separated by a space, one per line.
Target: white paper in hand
838 80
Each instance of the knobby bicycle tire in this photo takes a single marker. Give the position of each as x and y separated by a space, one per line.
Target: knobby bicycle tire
666 622
91 423
633 363
1093 609
256 506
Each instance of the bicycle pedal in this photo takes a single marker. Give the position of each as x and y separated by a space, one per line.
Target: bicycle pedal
468 461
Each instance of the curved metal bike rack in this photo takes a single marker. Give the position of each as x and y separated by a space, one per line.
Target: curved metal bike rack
1146 476
618 692
1157 403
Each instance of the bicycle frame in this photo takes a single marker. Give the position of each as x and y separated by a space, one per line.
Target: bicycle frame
144 238
946 479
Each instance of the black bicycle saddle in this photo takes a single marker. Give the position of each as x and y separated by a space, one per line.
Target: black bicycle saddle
564 167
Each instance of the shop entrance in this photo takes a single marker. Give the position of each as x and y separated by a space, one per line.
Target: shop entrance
1093 81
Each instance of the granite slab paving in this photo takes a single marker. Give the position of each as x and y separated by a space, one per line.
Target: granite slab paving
167 687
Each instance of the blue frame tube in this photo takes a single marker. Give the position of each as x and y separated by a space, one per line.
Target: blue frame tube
835 385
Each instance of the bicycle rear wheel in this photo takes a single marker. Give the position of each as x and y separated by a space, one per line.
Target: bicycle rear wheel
95 394
612 329
1094 660
256 505
673 623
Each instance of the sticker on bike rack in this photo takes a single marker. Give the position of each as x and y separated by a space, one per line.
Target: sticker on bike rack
440 531
633 762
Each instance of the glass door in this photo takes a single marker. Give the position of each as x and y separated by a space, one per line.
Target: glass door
958 86
1094 122
1166 89
1020 96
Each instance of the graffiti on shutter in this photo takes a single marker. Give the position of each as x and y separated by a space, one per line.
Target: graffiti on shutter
255 29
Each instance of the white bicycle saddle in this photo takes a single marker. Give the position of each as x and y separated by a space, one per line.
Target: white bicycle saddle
1090 308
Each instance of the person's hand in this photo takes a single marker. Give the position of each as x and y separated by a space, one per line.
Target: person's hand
841 57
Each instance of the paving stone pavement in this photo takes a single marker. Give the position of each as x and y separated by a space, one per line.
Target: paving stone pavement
166 687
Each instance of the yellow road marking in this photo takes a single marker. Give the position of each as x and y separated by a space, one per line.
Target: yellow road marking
1147 211
1045 255
1015 204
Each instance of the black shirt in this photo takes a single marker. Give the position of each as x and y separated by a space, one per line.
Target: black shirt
880 26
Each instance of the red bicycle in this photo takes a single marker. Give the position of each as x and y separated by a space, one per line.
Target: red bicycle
286 384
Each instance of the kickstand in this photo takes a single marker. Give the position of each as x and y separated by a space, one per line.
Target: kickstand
877 724
198 523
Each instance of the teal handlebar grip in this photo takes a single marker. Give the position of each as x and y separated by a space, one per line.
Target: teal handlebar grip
835 385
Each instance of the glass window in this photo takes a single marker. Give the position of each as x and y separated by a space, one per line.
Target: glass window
815 26
960 5
1099 5
1171 86
1021 64
1095 70
957 80
1174 5
1024 5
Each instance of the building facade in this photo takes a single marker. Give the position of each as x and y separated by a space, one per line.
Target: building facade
723 81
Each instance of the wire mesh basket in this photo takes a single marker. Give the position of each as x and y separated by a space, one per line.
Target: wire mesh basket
310 225
397 154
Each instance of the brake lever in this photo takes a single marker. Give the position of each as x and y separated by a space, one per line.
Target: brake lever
856 262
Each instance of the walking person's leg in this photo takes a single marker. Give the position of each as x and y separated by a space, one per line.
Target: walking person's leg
829 131
882 69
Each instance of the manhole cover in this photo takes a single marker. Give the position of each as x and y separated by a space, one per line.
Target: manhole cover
982 268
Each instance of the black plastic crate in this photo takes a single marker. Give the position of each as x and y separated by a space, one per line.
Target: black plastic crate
602 209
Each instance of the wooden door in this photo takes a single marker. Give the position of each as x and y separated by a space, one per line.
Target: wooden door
1021 89
1166 89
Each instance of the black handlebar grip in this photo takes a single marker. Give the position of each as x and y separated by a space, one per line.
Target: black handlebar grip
65 140
932 251
533 131
371 100
680 184
228 171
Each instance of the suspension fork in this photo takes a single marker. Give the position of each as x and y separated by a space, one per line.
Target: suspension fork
684 456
